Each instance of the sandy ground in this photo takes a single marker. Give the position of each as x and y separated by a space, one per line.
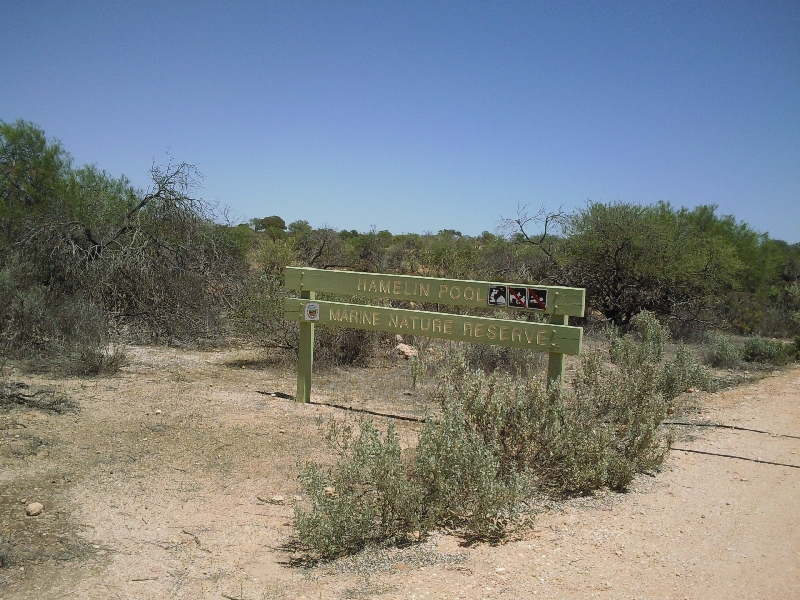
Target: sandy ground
161 485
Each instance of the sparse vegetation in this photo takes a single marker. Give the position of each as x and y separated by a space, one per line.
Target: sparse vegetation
762 350
89 264
496 440
721 352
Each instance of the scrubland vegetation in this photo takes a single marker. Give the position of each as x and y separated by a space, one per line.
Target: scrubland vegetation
494 442
90 264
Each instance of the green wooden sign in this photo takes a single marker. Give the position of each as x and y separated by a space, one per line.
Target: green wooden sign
557 337
476 294
501 332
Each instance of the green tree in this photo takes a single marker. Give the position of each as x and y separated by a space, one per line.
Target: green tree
33 176
632 258
274 226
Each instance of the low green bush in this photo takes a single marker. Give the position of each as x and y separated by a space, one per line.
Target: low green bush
721 353
641 356
465 484
762 350
684 373
366 498
496 440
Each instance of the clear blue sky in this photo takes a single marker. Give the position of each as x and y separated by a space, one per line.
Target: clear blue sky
421 116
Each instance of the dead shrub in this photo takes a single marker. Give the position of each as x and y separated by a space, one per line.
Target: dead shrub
338 346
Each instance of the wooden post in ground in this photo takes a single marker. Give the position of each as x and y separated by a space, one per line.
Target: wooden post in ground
305 358
556 360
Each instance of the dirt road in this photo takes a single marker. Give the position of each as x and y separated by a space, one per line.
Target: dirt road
164 485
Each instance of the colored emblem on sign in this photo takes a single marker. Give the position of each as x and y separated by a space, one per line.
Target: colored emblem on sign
497 295
537 299
312 312
517 297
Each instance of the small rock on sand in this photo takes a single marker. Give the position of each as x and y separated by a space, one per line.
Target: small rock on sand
34 509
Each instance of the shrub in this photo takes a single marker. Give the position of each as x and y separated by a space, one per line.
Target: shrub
614 422
371 496
721 353
366 498
259 317
762 350
343 346
684 373
417 368
259 314
55 332
643 359
516 361
468 482
6 556
498 437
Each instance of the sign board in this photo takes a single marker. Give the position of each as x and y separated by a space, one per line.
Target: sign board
454 292
557 337
483 330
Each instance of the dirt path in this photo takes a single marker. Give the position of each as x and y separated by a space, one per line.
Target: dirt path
162 487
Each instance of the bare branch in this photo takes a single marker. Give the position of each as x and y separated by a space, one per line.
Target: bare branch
519 226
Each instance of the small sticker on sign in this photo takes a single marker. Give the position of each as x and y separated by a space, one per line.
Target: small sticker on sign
312 311
497 295
537 299
517 297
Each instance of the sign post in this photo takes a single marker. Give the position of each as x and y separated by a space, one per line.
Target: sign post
305 358
556 338
556 360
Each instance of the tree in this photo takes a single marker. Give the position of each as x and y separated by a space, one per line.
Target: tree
273 226
33 176
631 258
73 241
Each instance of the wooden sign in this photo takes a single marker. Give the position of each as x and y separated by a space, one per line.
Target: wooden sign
500 332
557 338
455 292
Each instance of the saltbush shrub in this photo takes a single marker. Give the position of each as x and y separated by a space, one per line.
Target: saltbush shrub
762 350
721 353
366 498
497 438
467 483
